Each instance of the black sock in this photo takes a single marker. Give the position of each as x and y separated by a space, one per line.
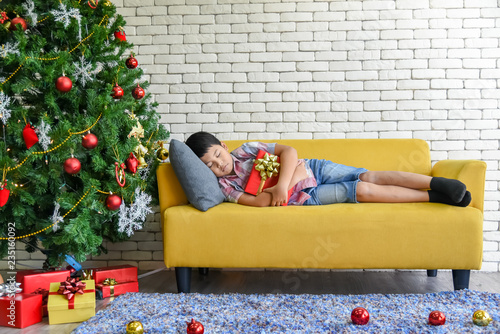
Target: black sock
454 189
437 197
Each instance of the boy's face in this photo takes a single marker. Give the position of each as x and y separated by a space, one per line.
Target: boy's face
219 160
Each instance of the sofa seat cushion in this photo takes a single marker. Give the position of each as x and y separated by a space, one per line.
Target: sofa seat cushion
338 236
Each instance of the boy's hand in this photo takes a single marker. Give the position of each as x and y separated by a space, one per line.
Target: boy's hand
279 193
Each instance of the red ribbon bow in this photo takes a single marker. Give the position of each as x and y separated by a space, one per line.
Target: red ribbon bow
70 287
44 293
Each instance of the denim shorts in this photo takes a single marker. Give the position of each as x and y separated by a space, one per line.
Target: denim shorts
336 183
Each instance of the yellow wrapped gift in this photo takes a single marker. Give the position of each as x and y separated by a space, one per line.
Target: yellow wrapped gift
76 305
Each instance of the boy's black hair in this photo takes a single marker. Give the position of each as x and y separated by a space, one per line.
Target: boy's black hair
200 142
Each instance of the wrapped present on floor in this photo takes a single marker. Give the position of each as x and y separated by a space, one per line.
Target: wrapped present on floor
71 301
111 288
121 274
31 280
45 299
115 280
20 310
264 174
38 281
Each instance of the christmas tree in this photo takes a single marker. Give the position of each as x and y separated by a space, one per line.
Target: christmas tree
80 137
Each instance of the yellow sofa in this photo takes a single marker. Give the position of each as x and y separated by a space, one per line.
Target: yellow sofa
339 236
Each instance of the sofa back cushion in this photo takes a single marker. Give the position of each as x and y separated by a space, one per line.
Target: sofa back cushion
409 155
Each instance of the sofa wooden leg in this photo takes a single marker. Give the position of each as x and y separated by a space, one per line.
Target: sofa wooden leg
183 278
203 271
432 273
460 279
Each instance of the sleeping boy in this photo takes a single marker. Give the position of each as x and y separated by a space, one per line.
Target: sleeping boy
318 182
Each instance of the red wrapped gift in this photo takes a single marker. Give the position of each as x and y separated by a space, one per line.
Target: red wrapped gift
21 311
45 298
32 280
118 289
122 274
267 166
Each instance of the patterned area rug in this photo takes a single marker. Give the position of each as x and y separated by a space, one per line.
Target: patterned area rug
281 313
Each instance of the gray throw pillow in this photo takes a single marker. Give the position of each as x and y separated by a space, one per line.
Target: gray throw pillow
198 182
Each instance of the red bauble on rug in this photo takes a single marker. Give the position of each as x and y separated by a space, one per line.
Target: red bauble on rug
437 318
90 141
194 327
72 166
113 202
360 316
64 84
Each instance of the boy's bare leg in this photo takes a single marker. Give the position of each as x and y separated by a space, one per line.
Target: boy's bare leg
453 189
395 178
375 193
378 193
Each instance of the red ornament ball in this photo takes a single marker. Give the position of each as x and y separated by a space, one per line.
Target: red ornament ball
131 62
18 20
120 35
90 141
113 202
138 93
360 316
117 92
64 84
437 318
72 166
194 327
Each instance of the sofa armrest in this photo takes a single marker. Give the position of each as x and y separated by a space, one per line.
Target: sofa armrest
470 172
169 189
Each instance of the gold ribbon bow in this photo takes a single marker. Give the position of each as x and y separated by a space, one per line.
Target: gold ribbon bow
109 281
88 274
268 166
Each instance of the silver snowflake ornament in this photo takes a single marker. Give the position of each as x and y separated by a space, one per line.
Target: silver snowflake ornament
43 135
64 15
56 217
83 71
29 7
131 218
9 48
4 107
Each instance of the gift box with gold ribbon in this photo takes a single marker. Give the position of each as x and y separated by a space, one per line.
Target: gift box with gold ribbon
264 174
113 289
121 273
71 301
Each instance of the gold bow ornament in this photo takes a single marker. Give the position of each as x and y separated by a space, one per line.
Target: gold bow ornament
268 166
109 281
88 274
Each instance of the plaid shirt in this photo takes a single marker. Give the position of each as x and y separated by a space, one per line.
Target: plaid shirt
233 186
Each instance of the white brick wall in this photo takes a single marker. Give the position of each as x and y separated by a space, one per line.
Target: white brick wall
253 69
341 69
